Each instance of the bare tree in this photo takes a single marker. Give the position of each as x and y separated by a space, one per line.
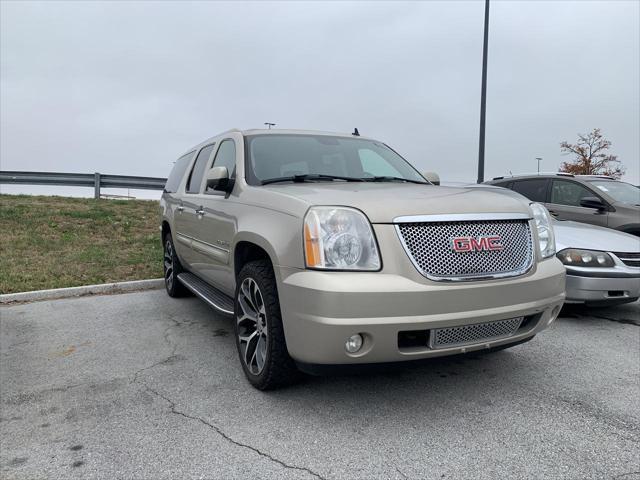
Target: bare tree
591 156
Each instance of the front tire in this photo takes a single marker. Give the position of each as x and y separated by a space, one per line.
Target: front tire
172 268
258 329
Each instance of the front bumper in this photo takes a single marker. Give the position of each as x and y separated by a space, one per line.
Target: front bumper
602 290
320 310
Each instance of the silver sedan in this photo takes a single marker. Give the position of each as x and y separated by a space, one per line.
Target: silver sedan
603 265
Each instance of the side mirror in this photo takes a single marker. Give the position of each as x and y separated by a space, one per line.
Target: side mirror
218 179
592 202
433 177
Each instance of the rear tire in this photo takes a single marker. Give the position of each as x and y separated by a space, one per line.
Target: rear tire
258 329
172 268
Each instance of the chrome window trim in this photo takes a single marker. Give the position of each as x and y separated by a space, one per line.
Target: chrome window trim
461 217
469 278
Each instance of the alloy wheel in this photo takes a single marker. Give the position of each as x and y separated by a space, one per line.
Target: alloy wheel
253 336
168 264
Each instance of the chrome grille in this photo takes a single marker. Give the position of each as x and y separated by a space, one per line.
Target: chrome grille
478 333
429 245
630 259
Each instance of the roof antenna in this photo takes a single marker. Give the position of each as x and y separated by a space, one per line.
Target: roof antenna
269 124
355 133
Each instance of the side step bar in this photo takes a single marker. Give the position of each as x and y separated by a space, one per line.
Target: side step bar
211 295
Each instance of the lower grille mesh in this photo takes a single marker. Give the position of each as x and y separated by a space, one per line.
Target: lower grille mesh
454 336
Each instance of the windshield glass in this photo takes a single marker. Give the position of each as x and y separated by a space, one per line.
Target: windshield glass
280 155
619 191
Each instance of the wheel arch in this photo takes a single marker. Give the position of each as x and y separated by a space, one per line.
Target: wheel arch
249 247
165 229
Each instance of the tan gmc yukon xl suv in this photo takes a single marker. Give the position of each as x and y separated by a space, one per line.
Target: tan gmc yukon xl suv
331 249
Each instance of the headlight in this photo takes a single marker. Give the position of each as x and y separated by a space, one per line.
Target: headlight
339 238
546 238
585 258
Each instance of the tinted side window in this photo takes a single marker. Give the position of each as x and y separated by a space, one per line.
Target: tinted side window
226 156
177 172
535 189
569 193
195 179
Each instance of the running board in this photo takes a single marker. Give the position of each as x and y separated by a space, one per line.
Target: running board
211 295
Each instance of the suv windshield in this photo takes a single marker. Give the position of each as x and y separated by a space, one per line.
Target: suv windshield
319 157
619 191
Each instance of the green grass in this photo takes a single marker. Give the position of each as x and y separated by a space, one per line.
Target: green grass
53 242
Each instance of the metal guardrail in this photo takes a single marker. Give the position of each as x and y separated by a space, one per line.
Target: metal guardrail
95 180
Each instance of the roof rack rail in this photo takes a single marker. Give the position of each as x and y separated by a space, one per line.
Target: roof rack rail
228 131
597 176
533 174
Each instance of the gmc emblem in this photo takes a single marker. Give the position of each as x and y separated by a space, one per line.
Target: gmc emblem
476 244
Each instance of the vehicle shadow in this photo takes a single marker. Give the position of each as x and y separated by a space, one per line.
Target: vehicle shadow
628 313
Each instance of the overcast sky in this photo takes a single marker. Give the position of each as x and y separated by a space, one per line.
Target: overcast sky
125 87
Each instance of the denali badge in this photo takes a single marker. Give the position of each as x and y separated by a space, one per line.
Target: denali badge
476 244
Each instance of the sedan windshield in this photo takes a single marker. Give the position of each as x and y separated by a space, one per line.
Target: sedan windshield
276 158
619 191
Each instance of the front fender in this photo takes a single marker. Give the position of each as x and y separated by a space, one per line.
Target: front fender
277 233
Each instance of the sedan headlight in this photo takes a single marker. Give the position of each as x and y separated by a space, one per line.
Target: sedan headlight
546 238
339 238
585 258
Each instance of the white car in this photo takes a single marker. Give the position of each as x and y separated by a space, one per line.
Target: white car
603 265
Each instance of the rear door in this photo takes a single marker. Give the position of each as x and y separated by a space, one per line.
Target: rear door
535 189
173 198
564 203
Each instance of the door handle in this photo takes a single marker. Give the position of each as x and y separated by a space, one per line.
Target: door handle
553 214
200 211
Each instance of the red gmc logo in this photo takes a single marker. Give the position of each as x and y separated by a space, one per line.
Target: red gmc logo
476 244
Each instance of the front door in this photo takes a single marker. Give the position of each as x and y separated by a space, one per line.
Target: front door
217 226
564 203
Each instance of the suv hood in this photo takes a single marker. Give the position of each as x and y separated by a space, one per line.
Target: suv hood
384 201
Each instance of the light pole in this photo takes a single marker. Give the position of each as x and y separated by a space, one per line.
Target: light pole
483 94
539 159
268 124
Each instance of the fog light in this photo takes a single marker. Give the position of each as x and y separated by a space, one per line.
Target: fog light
354 343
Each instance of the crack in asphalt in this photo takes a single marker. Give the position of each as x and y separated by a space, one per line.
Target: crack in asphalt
174 348
401 473
625 321
175 411
627 474
218 430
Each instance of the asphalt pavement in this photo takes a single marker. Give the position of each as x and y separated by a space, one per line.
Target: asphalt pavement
140 385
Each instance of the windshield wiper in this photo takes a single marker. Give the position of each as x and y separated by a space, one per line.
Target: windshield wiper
395 179
308 177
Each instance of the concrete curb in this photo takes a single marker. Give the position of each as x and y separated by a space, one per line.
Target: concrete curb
103 289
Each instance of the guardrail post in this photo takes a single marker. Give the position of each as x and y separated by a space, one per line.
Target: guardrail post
96 180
